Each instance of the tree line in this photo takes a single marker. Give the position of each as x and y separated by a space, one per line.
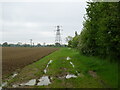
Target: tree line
100 35
5 44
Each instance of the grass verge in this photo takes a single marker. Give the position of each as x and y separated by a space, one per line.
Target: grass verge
107 72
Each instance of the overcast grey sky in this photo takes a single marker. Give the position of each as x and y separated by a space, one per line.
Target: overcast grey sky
21 21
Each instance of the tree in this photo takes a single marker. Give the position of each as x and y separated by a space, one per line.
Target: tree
76 34
38 45
57 44
68 38
75 40
5 44
69 41
101 33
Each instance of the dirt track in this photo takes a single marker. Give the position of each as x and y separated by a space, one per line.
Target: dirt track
14 58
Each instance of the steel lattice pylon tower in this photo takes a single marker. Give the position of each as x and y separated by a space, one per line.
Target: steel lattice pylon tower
58 39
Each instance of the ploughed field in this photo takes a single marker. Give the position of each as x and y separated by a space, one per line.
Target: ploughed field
14 58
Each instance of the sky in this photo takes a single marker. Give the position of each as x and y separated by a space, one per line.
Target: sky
22 21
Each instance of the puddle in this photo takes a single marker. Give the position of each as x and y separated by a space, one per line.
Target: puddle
11 77
51 78
15 74
69 48
44 81
14 86
72 64
77 73
47 66
50 61
68 58
29 83
45 70
22 84
4 84
62 77
70 76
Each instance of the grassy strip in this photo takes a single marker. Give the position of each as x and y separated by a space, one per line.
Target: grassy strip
58 68
106 70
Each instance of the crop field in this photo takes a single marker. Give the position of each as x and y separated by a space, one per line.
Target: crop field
15 58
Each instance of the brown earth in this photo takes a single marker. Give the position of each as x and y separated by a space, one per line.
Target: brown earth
14 58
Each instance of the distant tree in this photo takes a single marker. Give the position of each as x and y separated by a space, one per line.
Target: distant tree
75 41
76 34
38 45
69 41
26 45
5 44
19 43
12 45
57 44
68 38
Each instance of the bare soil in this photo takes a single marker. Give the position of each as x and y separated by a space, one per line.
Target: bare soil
15 58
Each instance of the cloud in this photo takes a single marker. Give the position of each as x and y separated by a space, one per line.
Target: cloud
21 24
43 0
22 21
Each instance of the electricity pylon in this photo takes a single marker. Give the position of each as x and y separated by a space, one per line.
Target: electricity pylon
58 39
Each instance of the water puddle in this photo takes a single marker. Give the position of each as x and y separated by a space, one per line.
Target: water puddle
22 84
72 64
51 78
15 74
14 86
4 84
45 70
70 76
62 77
0 88
77 73
30 83
47 65
68 58
50 61
44 81
11 77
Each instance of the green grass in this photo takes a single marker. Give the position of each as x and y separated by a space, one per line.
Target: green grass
107 72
